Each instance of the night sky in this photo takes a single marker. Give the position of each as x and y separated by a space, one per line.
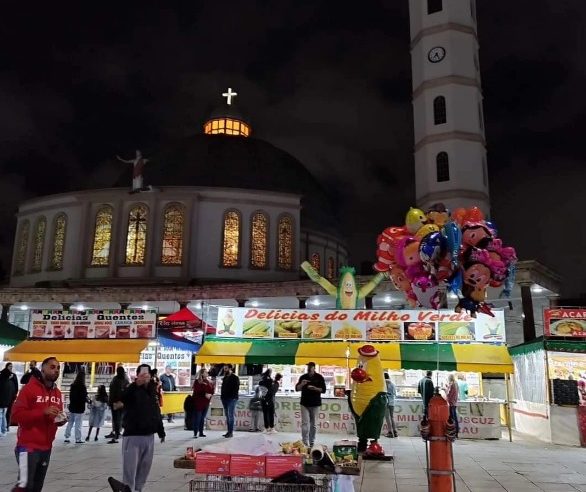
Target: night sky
330 82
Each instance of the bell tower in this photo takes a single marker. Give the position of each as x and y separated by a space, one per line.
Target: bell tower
450 146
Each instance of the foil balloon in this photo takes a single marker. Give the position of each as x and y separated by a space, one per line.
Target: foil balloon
453 236
426 229
473 214
414 220
458 215
426 289
431 249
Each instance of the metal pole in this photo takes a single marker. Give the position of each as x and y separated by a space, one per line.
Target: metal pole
93 375
508 408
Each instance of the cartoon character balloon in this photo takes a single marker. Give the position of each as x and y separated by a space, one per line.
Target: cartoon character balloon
460 250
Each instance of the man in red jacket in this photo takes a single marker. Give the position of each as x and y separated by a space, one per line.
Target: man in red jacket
38 411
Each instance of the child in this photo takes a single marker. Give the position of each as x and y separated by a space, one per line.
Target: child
255 407
97 411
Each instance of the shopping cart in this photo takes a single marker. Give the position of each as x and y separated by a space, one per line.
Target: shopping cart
218 483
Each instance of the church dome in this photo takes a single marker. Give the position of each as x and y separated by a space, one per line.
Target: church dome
231 162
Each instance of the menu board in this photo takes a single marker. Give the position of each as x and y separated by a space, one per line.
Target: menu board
178 360
127 323
564 322
372 325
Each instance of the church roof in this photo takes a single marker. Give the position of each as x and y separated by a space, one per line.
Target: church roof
235 162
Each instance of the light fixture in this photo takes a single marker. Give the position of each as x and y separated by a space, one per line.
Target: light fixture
153 344
537 289
197 305
79 307
254 303
316 302
388 299
23 307
144 307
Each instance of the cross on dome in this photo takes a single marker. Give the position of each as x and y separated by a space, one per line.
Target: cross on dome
229 95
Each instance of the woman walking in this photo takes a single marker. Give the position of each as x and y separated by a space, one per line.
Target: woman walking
203 390
98 411
452 397
77 401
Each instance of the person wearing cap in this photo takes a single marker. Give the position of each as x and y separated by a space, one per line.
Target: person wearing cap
312 385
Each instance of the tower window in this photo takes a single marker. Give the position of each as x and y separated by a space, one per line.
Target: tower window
21 249
316 261
442 166
38 244
434 6
231 239
439 110
331 273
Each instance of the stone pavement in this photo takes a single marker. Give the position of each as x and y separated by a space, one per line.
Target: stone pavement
482 466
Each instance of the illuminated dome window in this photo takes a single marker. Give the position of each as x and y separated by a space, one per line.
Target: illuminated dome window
227 126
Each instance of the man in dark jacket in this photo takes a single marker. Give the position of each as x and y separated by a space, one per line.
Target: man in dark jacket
168 384
142 420
7 396
312 385
229 397
32 369
117 386
425 389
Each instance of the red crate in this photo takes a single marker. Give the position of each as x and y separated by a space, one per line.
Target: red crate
279 464
212 463
243 465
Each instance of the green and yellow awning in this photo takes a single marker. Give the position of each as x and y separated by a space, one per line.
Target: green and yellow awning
408 355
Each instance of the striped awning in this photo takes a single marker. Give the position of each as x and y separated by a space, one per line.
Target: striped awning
449 357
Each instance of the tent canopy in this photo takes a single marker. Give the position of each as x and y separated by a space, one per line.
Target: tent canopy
554 345
78 350
11 334
185 319
169 340
451 357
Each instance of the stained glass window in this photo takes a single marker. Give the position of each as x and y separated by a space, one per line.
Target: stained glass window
315 261
59 230
102 237
136 235
22 246
285 242
226 126
259 240
231 239
331 267
39 244
172 250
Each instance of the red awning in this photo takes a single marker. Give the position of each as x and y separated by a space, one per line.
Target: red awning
185 319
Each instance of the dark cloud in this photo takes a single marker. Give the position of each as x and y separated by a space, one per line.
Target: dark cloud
328 82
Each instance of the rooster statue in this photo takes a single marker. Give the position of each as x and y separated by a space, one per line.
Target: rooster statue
368 398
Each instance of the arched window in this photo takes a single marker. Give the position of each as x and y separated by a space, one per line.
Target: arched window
439 110
58 242
38 244
172 248
434 6
21 248
442 167
331 268
259 240
285 241
102 237
231 239
315 261
136 235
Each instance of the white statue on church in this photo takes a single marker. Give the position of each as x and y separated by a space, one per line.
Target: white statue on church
138 164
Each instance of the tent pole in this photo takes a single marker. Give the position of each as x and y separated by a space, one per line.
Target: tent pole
93 375
508 407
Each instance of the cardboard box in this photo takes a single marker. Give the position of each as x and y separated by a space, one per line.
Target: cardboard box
279 464
212 463
243 465
345 449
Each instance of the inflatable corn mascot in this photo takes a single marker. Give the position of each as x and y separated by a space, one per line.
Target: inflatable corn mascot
368 397
347 293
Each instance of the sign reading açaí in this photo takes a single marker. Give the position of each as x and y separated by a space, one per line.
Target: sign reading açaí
128 323
364 324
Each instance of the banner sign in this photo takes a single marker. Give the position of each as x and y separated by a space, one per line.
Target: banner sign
564 322
365 324
115 323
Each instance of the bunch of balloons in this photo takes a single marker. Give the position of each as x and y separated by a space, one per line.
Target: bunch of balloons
460 249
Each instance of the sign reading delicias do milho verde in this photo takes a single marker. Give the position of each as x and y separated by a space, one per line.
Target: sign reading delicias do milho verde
365 324
101 324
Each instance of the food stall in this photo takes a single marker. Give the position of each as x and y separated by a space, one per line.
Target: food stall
409 343
11 335
96 337
549 385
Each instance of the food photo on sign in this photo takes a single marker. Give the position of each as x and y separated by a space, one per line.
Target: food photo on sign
565 322
419 331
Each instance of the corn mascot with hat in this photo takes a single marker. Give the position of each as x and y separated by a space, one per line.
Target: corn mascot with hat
368 397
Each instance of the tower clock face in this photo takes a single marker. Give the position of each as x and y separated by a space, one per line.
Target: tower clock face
437 54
